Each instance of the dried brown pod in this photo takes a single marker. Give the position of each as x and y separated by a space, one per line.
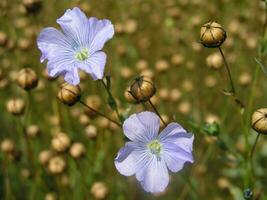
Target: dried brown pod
69 94
259 120
212 35
142 88
15 106
27 79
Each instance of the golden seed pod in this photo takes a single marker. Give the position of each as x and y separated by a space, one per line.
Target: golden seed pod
45 156
94 101
162 66
99 190
50 196
3 39
7 146
212 35
69 94
214 61
33 131
77 150
60 142
259 120
129 97
91 131
142 89
15 106
56 165
27 79
245 79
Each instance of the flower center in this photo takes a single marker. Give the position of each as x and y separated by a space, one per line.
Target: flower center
154 147
82 55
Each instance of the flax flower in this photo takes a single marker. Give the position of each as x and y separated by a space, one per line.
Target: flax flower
149 155
77 47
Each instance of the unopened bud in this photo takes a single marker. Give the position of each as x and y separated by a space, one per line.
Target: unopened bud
142 89
259 120
27 79
212 35
69 94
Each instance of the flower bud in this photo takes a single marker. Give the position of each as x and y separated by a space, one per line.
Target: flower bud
259 120
212 35
77 150
69 94
142 89
15 106
56 165
7 146
60 142
27 79
99 190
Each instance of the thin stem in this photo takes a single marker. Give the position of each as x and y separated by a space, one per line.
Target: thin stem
100 114
156 111
252 152
111 96
228 71
233 91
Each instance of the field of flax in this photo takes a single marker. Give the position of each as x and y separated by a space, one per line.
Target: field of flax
131 100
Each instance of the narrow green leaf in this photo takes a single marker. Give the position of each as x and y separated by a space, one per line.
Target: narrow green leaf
263 68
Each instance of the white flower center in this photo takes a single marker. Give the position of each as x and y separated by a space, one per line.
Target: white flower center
155 147
82 55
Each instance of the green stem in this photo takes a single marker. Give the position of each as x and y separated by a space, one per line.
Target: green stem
111 98
100 114
156 111
252 153
233 91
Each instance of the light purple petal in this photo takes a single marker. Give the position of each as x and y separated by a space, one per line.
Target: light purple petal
100 31
175 157
53 43
95 65
128 158
156 176
151 122
72 76
74 24
176 134
141 127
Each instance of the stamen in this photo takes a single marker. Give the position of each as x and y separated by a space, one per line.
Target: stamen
82 55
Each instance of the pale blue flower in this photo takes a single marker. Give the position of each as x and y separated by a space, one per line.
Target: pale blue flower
78 47
149 155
